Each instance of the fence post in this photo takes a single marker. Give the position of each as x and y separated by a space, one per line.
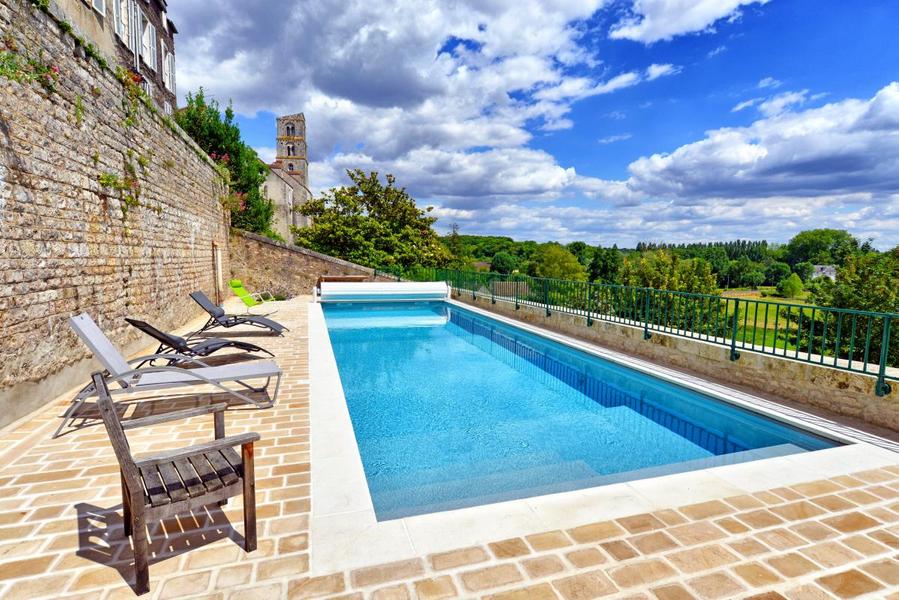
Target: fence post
589 287
546 296
882 388
646 311
517 305
734 355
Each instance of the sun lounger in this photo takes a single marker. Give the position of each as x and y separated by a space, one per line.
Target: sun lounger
134 380
169 344
250 299
218 317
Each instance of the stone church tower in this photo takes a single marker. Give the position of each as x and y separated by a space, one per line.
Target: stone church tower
287 183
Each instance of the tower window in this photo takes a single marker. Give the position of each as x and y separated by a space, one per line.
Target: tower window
291 150
291 129
290 166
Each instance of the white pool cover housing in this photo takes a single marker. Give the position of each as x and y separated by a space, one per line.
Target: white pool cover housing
381 291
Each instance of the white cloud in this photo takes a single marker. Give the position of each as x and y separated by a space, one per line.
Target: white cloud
769 82
655 71
654 20
841 148
611 139
746 104
781 102
266 153
716 51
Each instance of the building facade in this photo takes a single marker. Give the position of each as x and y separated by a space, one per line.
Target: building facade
136 34
287 184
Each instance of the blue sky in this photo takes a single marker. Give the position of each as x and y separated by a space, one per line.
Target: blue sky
612 122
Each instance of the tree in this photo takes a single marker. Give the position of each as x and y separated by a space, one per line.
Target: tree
453 242
790 286
606 264
822 247
552 260
804 270
754 278
372 224
582 251
220 137
503 262
662 270
776 271
866 282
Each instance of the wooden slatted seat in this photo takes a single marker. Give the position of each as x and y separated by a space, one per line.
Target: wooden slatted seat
167 483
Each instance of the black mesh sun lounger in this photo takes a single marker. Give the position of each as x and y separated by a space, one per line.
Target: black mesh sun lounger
218 317
169 343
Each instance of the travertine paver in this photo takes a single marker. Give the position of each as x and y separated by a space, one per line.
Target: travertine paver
61 529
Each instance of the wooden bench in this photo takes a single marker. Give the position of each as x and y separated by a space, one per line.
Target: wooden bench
164 484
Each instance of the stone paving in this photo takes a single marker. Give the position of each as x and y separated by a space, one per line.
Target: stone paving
61 527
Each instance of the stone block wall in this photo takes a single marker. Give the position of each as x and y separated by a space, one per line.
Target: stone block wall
266 265
69 244
833 390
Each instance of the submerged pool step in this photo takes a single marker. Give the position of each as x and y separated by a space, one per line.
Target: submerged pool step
564 476
406 495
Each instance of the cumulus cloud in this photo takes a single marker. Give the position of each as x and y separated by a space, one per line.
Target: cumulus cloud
841 148
835 165
449 95
656 20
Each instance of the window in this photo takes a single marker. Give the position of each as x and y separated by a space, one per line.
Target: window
291 130
291 151
170 82
99 6
165 63
149 49
119 10
290 166
167 107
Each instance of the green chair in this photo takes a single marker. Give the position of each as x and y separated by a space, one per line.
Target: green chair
250 299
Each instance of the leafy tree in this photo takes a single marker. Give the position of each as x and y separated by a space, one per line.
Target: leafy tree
822 247
552 260
804 270
776 271
754 278
582 251
866 282
460 259
606 264
219 137
503 262
743 272
790 286
372 224
664 271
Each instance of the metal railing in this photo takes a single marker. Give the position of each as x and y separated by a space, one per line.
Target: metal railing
850 340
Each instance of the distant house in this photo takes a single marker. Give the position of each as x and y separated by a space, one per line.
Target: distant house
135 34
829 271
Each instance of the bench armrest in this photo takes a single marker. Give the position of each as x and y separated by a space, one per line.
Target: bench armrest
176 415
170 455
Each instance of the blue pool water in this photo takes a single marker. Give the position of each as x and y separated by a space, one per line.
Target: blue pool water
451 409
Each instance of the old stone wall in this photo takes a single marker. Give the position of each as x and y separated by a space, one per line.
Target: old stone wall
266 265
836 391
106 207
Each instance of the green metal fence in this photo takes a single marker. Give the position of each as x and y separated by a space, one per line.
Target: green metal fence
851 340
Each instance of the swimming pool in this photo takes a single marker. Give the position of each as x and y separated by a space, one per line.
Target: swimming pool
451 409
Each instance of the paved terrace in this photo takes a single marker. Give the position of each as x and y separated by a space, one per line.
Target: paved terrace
61 527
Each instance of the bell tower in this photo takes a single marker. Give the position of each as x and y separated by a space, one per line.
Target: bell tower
291 145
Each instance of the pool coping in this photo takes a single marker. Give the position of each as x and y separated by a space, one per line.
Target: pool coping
343 519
